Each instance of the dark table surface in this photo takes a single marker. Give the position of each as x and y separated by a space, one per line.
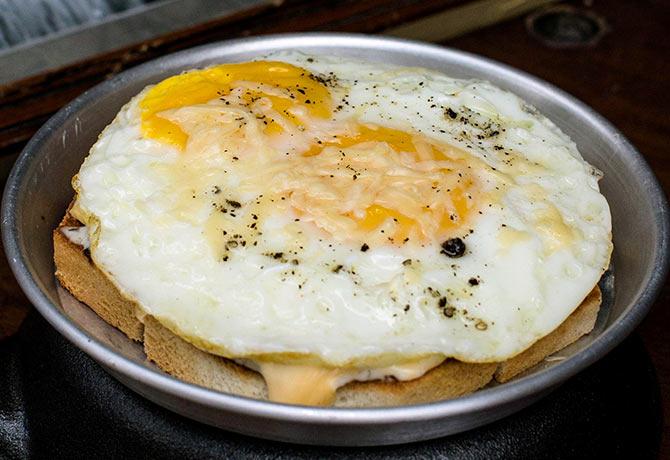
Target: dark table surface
625 76
58 403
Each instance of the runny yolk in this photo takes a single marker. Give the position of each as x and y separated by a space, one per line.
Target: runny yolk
291 86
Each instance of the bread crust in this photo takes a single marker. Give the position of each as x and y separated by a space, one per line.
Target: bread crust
78 274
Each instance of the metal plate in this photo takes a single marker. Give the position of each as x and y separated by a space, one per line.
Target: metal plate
38 192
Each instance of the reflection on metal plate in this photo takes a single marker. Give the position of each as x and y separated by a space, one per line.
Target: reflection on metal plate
89 321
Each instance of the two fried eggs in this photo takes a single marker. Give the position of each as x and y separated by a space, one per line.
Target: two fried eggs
322 210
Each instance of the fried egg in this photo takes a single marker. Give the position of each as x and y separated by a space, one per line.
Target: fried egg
328 211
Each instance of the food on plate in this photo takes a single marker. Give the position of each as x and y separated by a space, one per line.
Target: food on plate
322 220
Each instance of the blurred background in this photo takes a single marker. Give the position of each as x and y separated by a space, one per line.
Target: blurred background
613 55
26 21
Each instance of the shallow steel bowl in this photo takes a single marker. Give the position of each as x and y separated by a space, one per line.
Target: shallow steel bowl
39 190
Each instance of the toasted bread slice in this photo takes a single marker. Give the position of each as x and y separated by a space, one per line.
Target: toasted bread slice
79 275
579 323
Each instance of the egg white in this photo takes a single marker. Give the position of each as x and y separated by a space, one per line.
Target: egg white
148 210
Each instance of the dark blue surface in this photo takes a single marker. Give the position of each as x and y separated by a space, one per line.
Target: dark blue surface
55 402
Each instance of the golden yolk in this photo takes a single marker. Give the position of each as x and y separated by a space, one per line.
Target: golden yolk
400 141
297 88
396 139
376 216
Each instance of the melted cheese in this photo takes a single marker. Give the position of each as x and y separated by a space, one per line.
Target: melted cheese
509 237
553 230
363 188
299 384
316 385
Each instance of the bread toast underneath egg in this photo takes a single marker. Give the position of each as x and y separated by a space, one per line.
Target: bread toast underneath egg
78 274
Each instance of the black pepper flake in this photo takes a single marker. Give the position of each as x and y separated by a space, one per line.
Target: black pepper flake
216 190
451 113
434 292
449 312
453 247
407 262
277 255
365 247
473 282
406 309
442 302
234 204
337 268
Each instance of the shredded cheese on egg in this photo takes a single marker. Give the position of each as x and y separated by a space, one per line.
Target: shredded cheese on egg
376 183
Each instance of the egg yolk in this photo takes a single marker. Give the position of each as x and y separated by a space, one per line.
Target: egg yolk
285 85
429 199
400 141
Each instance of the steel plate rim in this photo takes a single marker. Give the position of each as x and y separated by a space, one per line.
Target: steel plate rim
479 400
